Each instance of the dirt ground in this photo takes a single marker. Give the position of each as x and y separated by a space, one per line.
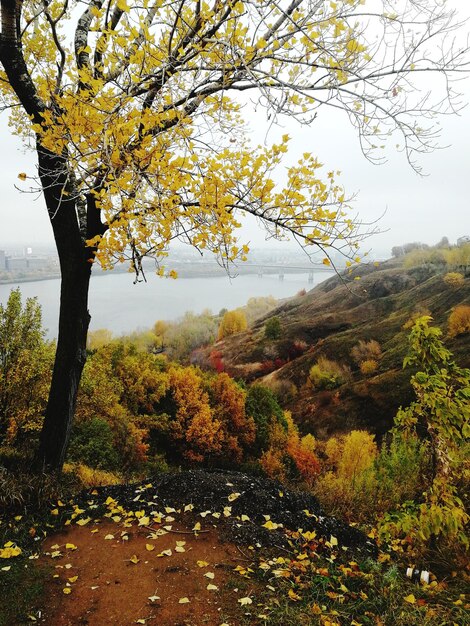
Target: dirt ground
106 575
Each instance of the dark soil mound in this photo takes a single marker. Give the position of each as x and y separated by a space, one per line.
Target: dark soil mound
258 498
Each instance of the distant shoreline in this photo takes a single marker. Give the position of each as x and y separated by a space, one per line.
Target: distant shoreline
182 273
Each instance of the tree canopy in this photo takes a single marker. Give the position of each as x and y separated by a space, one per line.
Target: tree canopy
142 103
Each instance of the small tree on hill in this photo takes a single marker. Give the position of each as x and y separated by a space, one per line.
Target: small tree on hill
232 322
134 110
272 328
442 410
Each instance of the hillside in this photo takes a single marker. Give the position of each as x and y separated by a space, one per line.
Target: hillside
329 321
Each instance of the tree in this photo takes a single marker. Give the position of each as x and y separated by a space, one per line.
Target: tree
134 111
442 410
272 328
25 367
232 322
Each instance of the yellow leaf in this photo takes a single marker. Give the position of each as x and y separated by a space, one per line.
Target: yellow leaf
165 553
293 596
410 599
134 559
149 547
246 600
70 546
202 563
108 537
183 600
210 575
233 496
211 587
72 579
333 541
326 261
22 176
154 598
83 521
67 590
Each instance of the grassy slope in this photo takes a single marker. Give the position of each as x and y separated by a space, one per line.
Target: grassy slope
331 319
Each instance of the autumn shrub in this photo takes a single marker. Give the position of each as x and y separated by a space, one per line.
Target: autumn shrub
328 374
368 367
216 361
289 457
232 322
301 293
272 464
296 349
454 279
91 476
366 351
284 390
341 488
459 321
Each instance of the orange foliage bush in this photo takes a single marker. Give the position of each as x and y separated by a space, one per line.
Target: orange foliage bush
366 351
239 430
459 321
194 427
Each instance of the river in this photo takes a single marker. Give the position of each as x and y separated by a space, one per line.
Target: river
117 304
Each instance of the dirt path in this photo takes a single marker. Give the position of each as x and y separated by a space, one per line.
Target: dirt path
103 574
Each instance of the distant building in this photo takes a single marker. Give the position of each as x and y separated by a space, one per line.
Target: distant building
16 263
3 260
36 263
463 240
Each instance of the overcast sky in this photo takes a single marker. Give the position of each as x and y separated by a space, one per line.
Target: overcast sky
417 208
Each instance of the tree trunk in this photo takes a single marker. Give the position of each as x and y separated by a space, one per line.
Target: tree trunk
75 265
70 232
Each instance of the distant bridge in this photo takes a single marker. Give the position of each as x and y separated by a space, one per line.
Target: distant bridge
281 270
262 268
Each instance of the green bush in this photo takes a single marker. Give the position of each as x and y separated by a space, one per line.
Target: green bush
261 404
272 328
92 443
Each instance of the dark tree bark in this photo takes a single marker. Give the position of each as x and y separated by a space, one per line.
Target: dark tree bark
75 266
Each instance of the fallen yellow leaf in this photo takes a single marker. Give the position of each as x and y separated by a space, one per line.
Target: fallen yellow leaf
410 599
